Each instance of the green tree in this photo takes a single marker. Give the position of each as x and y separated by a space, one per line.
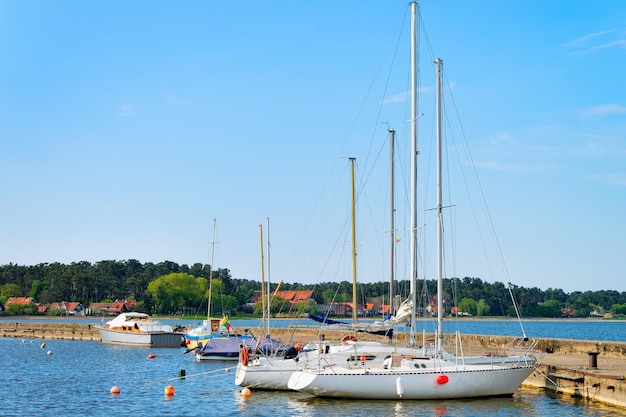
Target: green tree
306 306
177 290
618 309
37 288
468 305
550 308
224 303
482 308
9 290
276 305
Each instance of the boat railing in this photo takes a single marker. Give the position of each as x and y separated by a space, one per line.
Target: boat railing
521 348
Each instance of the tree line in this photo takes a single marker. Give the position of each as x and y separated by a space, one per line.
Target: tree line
110 280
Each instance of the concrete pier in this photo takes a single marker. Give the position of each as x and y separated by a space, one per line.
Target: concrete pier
66 331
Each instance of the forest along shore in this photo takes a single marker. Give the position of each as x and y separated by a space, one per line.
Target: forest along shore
592 370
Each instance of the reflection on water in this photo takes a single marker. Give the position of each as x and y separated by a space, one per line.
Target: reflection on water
526 402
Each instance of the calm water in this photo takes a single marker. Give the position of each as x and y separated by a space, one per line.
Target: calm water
77 377
578 329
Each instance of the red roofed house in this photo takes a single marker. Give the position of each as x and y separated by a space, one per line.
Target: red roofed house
106 309
70 308
20 301
110 309
26 301
384 309
296 296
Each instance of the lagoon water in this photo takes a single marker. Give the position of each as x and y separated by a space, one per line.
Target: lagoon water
577 329
75 379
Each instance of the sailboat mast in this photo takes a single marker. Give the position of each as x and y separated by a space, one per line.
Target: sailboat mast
413 244
268 277
439 64
208 309
354 298
392 211
262 278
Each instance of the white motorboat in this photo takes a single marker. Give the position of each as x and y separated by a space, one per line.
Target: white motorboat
138 329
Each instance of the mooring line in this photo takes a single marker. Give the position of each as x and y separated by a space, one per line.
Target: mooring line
228 369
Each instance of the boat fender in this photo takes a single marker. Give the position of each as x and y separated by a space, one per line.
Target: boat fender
399 387
243 356
348 338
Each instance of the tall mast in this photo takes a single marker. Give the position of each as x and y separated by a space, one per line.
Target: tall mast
354 298
439 64
208 310
392 211
413 244
268 277
262 277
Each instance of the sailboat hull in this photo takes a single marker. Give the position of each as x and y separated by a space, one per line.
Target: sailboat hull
266 373
273 373
471 382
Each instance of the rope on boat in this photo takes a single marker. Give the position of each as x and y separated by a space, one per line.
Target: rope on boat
559 387
227 369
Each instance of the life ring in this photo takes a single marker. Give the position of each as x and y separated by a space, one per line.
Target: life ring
243 356
348 338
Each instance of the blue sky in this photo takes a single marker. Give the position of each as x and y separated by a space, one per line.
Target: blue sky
127 127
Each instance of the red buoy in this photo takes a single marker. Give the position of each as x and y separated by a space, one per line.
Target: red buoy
151 356
169 390
115 390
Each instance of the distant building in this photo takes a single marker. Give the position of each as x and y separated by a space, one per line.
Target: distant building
294 297
339 309
23 301
70 308
106 309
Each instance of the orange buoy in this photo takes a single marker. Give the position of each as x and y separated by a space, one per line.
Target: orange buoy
151 356
115 390
245 392
363 358
442 379
169 390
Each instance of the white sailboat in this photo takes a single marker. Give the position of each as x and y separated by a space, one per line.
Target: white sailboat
439 376
212 327
272 372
